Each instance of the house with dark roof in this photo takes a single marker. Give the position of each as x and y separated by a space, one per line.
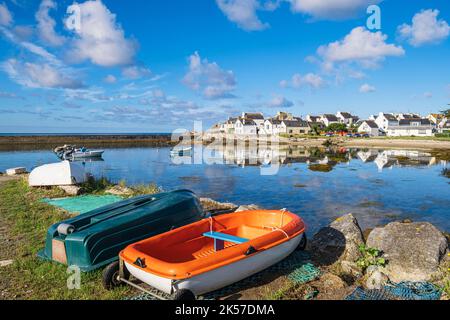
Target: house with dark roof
347 118
411 127
244 126
328 119
290 127
386 120
311 118
370 127
408 116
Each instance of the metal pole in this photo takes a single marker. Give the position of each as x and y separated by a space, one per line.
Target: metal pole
142 289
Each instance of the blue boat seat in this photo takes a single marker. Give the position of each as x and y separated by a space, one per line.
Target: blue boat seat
220 238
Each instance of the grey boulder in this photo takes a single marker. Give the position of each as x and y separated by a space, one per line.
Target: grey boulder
413 251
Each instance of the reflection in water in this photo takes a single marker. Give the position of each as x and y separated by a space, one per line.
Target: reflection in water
320 159
320 184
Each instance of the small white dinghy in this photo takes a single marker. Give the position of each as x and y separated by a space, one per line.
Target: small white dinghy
63 173
87 154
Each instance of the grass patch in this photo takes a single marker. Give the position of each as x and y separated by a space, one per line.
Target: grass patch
27 220
143 189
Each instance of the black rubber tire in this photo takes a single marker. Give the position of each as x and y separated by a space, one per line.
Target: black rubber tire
110 274
303 242
183 295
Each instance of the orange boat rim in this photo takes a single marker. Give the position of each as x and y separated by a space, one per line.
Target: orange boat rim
216 251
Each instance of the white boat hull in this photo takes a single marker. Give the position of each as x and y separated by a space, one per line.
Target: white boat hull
63 173
220 277
88 154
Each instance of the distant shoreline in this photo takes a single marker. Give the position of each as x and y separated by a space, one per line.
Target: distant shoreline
41 141
35 142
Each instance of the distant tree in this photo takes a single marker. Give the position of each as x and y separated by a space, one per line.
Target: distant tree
336 127
315 128
446 112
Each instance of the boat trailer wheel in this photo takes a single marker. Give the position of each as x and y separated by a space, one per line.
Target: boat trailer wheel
111 274
303 242
183 294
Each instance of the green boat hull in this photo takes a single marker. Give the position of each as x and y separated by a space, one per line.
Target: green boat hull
99 235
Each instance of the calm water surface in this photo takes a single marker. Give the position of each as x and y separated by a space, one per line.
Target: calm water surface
376 186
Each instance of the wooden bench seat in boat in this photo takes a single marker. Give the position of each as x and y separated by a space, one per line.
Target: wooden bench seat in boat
220 238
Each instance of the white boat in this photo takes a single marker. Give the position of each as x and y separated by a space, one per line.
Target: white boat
87 154
180 151
64 173
69 152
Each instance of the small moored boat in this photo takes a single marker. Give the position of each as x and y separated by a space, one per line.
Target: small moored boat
212 253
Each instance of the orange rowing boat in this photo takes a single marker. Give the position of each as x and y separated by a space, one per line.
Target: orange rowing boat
214 252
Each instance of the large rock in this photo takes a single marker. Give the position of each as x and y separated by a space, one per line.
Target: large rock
71 190
339 242
212 205
413 250
376 278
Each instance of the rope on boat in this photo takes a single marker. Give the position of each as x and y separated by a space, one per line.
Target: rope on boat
398 291
277 229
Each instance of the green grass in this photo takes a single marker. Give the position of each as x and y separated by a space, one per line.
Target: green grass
27 220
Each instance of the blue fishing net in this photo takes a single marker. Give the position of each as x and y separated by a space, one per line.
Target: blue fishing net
398 291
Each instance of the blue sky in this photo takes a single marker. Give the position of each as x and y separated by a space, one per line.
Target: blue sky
154 66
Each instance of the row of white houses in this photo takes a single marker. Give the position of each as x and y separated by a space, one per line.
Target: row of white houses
388 124
402 125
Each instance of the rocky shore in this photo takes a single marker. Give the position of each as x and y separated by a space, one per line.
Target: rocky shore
396 252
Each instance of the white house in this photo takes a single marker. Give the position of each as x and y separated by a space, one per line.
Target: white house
328 119
228 126
370 127
346 118
385 120
246 127
411 127
311 118
274 126
443 125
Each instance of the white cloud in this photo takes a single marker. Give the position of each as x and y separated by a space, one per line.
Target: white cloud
100 39
214 82
6 18
366 48
332 9
425 29
367 88
110 79
311 80
35 75
243 12
281 102
428 95
136 72
46 24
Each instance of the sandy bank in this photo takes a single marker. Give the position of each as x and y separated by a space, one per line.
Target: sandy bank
395 143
